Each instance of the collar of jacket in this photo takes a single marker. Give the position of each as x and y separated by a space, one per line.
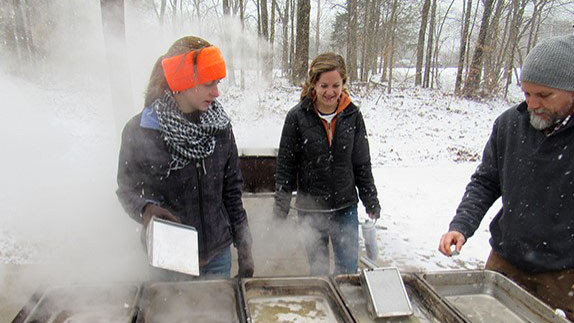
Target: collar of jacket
149 118
523 109
345 105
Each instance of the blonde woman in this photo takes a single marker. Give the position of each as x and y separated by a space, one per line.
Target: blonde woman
324 156
178 158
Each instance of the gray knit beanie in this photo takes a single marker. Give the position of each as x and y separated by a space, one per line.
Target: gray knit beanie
551 63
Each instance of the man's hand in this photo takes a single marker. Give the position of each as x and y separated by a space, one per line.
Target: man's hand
157 211
374 215
451 238
245 262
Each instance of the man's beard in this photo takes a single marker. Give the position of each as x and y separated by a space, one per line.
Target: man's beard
541 123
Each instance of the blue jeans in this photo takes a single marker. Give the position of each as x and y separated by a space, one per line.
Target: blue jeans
219 267
342 227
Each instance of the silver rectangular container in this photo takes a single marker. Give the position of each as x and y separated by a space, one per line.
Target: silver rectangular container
427 306
385 292
86 303
173 246
487 296
205 301
296 299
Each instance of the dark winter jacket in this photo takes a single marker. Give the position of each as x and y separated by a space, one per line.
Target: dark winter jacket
326 177
534 174
205 194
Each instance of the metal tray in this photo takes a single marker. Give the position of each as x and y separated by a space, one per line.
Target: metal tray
206 301
487 296
86 303
297 299
427 306
386 293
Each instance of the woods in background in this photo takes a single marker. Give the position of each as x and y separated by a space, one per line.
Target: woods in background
484 40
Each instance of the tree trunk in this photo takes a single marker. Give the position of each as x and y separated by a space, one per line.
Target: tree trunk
368 42
264 19
463 44
285 53
421 42
373 55
473 80
272 36
517 19
318 29
266 67
242 19
352 39
393 30
426 80
292 45
118 65
437 47
497 47
227 40
470 33
302 43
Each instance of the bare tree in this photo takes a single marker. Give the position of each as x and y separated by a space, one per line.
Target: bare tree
318 29
301 62
394 14
266 62
421 41
242 19
292 46
352 39
285 46
518 7
370 18
432 24
473 79
227 39
435 63
463 44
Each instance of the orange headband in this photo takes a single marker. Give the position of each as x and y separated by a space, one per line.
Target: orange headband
179 70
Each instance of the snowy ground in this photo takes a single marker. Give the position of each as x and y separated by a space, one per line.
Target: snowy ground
60 149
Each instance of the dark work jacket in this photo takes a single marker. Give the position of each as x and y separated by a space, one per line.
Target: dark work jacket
325 177
534 174
205 194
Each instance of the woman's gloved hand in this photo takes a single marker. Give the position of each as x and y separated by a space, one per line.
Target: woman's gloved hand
157 211
245 260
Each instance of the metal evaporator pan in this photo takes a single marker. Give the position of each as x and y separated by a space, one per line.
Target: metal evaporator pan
487 296
296 299
427 306
205 301
86 303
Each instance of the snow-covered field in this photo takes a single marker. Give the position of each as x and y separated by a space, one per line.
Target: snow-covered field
60 145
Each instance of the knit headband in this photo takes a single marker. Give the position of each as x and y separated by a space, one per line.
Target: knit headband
180 70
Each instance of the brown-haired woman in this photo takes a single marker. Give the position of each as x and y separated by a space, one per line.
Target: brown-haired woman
324 156
178 159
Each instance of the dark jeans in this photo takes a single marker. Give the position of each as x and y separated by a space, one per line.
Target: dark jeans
342 227
219 267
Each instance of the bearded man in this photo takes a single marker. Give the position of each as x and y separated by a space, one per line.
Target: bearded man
529 162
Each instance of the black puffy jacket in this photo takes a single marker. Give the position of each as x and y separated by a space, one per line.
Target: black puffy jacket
326 177
204 194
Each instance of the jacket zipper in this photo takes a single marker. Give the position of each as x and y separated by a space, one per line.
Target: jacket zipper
199 166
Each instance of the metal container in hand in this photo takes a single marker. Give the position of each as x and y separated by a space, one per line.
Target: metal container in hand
370 237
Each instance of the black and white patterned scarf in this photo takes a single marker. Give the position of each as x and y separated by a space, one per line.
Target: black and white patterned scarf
185 139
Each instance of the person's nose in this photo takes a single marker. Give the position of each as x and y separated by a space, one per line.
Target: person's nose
214 91
532 102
